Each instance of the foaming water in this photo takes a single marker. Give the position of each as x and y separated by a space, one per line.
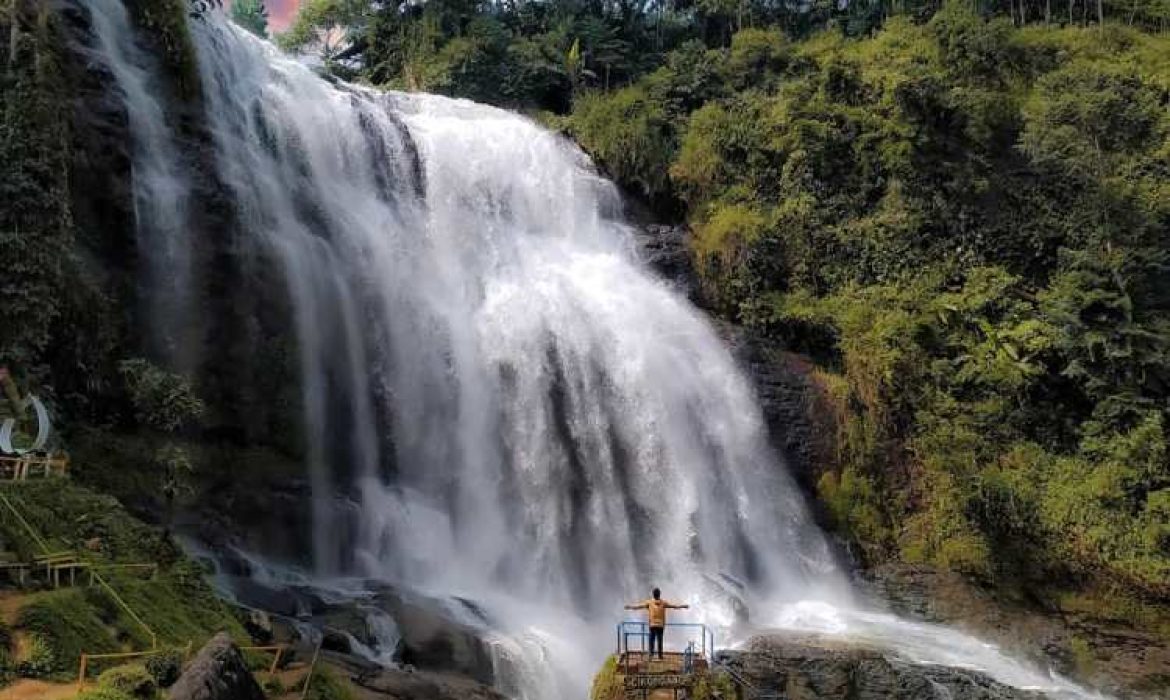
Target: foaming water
531 420
922 643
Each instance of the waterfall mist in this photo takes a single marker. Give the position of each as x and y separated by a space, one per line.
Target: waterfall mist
522 415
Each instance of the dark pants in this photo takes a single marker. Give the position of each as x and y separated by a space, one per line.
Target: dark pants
656 633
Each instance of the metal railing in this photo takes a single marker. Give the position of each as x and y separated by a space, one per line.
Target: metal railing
640 631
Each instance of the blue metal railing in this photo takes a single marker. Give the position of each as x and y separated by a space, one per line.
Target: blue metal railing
641 631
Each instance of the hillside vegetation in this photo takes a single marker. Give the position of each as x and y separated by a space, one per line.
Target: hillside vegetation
965 224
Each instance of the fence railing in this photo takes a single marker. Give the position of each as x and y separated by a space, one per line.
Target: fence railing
83 663
96 577
640 632
23 467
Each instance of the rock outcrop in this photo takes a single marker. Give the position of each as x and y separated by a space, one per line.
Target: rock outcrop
665 249
422 685
812 668
218 672
1107 653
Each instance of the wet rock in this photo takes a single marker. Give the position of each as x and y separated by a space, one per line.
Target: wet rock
665 249
287 602
811 668
431 639
217 672
799 420
422 685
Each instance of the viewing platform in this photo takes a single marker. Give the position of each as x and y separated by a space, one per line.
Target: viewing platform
641 676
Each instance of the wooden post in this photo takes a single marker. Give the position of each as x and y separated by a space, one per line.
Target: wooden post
312 666
276 660
81 672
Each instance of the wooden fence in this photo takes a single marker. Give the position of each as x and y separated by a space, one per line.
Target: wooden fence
24 467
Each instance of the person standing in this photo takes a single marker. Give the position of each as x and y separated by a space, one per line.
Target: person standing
656 609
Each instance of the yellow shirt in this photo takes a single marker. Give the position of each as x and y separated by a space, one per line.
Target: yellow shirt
656 611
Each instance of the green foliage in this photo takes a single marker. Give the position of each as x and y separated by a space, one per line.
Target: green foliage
35 223
66 623
714 685
72 517
962 230
165 668
324 685
102 693
274 687
131 679
324 24
162 400
251 15
40 658
607 684
177 603
164 22
629 135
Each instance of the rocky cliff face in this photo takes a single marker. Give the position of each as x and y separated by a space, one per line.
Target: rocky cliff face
810 668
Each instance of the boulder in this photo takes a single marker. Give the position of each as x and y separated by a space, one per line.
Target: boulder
218 672
432 640
424 685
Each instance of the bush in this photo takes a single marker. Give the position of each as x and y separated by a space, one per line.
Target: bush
606 684
40 662
67 625
629 134
274 687
165 668
133 680
325 686
101 693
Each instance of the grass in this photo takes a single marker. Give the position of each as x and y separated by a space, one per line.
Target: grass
607 684
177 605
69 622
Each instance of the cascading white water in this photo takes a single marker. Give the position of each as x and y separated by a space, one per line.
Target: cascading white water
161 187
566 430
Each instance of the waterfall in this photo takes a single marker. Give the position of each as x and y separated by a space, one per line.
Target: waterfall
566 425
523 415
161 189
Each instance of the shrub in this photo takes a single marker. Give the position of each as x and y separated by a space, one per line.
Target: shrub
718 685
40 662
101 693
67 625
165 668
629 134
606 684
325 686
133 680
274 687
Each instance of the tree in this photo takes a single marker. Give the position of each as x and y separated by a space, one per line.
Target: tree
165 403
251 15
327 26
